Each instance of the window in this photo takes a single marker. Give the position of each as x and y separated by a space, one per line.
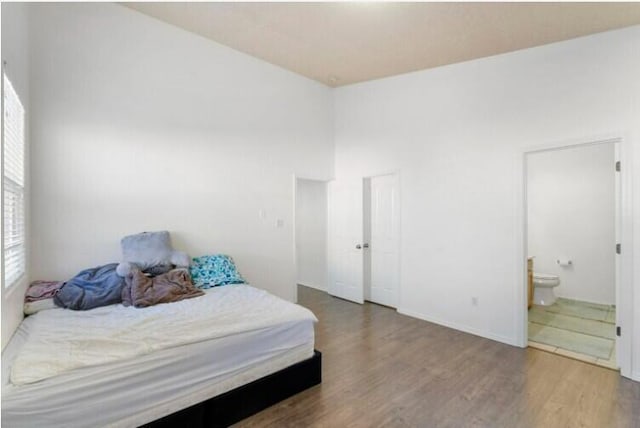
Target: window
13 184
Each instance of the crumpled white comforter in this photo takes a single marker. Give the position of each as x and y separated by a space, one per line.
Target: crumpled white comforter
63 340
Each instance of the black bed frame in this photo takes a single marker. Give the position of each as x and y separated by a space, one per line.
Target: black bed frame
246 400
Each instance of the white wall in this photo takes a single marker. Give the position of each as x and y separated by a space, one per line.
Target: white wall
140 126
130 110
15 49
311 233
457 135
571 214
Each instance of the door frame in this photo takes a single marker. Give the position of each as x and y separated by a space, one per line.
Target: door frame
624 232
295 178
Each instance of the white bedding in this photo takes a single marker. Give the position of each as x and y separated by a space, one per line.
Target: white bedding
132 391
63 340
31 308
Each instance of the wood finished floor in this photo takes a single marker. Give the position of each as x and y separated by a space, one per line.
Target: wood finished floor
382 369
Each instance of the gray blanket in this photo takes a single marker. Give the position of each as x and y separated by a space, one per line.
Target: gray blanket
141 291
93 287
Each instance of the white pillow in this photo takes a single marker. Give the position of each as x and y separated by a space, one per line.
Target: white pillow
31 308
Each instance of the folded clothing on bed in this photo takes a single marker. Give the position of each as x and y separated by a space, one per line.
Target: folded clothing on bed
39 296
142 291
39 290
91 288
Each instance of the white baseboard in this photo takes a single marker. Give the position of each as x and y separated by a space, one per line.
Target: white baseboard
317 287
460 327
586 301
635 375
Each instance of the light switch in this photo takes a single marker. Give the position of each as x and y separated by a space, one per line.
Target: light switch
279 222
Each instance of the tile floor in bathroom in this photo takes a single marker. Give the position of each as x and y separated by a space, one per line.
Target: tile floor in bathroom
580 330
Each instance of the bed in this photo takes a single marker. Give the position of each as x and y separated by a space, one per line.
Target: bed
213 360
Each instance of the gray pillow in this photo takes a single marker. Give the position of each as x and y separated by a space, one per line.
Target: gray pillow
150 252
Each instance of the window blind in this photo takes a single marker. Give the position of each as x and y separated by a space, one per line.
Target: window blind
13 184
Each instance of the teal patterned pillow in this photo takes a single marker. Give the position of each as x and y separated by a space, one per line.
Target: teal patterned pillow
210 271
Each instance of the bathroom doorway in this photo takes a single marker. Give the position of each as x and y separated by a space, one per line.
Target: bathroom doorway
572 213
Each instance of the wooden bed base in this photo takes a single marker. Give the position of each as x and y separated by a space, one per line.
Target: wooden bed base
246 400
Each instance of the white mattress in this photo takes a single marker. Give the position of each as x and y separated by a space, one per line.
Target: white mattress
146 387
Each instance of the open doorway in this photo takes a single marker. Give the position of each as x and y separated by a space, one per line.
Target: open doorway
572 228
311 233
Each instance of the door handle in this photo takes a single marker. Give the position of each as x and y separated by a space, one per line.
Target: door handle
358 247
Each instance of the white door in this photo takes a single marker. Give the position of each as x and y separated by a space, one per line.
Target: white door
384 240
345 240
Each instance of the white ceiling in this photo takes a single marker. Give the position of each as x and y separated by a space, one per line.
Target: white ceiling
342 43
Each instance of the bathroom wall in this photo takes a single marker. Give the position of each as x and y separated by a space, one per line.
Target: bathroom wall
571 212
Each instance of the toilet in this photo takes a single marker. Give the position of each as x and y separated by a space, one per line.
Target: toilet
543 285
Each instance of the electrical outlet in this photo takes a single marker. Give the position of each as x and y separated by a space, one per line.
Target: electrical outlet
279 223
474 301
